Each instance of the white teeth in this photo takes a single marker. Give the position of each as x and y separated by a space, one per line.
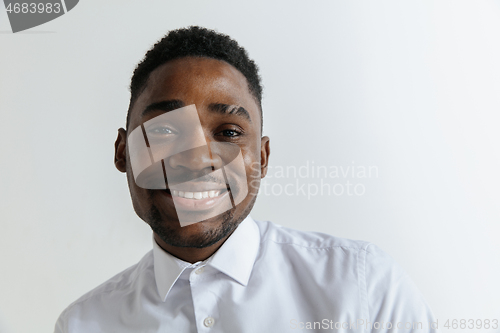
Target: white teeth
195 195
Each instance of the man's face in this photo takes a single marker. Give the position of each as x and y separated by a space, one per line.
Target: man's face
217 102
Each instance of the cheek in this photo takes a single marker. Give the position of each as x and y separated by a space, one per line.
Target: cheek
252 163
253 171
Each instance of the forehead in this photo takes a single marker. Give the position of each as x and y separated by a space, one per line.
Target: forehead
200 81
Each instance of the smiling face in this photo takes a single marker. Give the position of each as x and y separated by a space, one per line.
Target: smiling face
213 103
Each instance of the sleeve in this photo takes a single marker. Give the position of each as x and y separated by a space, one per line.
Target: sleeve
394 302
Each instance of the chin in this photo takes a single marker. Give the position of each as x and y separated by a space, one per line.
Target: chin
198 235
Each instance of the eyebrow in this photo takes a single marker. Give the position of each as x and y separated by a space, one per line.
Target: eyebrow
163 106
230 109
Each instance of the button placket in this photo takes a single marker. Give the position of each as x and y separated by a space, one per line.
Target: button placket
204 299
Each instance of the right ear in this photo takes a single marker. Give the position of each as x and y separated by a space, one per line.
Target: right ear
121 150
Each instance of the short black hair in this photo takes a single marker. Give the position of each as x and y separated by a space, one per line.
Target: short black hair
195 41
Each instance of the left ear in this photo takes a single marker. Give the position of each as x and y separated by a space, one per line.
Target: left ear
121 150
265 150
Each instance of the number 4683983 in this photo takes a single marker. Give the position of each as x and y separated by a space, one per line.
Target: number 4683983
33 8
472 324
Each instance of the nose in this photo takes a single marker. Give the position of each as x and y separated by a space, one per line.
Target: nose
196 159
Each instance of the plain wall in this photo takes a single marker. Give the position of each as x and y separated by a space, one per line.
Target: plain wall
410 89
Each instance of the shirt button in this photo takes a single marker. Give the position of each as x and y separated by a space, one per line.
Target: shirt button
199 270
209 322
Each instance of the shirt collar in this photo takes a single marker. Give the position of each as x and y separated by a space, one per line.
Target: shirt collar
234 258
237 255
167 269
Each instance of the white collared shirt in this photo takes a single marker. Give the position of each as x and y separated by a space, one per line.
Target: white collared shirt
264 278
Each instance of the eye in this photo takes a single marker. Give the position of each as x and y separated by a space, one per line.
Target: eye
160 130
230 133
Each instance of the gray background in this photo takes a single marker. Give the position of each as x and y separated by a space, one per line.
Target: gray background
411 88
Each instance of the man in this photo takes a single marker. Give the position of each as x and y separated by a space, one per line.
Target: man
194 154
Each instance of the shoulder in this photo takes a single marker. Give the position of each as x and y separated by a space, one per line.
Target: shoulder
310 250
104 297
272 233
364 257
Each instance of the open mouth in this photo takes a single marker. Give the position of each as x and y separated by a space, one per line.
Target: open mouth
199 201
